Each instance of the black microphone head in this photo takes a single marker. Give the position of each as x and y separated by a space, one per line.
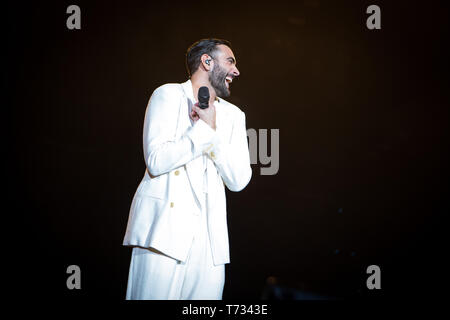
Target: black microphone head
203 97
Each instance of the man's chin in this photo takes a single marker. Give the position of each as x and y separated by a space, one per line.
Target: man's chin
223 92
226 92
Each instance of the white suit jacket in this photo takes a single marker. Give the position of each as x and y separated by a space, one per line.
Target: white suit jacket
166 206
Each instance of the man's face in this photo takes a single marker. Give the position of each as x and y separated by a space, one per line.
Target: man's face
224 71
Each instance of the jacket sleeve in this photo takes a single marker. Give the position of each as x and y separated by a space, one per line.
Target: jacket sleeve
232 158
162 151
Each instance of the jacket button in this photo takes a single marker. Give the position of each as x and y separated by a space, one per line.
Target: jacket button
171 204
177 172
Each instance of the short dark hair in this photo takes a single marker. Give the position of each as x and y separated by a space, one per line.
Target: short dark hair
196 50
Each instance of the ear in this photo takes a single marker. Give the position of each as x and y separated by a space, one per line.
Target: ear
207 62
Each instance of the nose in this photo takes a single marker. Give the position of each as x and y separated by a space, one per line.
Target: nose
236 72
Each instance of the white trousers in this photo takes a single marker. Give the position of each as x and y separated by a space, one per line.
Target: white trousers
155 276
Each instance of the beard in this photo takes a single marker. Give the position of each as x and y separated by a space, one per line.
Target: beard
217 80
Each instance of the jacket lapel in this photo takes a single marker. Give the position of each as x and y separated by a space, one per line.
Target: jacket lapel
185 121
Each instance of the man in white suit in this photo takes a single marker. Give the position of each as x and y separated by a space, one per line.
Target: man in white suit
177 224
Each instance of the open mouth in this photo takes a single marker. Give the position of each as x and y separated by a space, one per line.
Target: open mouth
228 81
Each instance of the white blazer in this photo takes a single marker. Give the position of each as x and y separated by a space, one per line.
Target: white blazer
166 206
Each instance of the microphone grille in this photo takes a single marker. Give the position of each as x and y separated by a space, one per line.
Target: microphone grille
203 94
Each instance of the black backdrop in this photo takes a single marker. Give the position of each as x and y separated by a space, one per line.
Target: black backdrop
363 120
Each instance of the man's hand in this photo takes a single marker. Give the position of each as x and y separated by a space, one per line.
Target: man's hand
193 115
208 115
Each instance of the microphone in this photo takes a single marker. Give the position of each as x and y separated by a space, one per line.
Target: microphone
203 97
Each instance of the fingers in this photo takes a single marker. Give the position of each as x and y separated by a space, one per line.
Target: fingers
196 108
208 115
194 117
199 110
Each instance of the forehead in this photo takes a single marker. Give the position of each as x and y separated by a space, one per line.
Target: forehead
224 51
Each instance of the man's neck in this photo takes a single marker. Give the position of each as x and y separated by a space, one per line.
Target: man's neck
197 83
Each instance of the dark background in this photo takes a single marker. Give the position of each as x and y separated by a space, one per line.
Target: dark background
363 118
